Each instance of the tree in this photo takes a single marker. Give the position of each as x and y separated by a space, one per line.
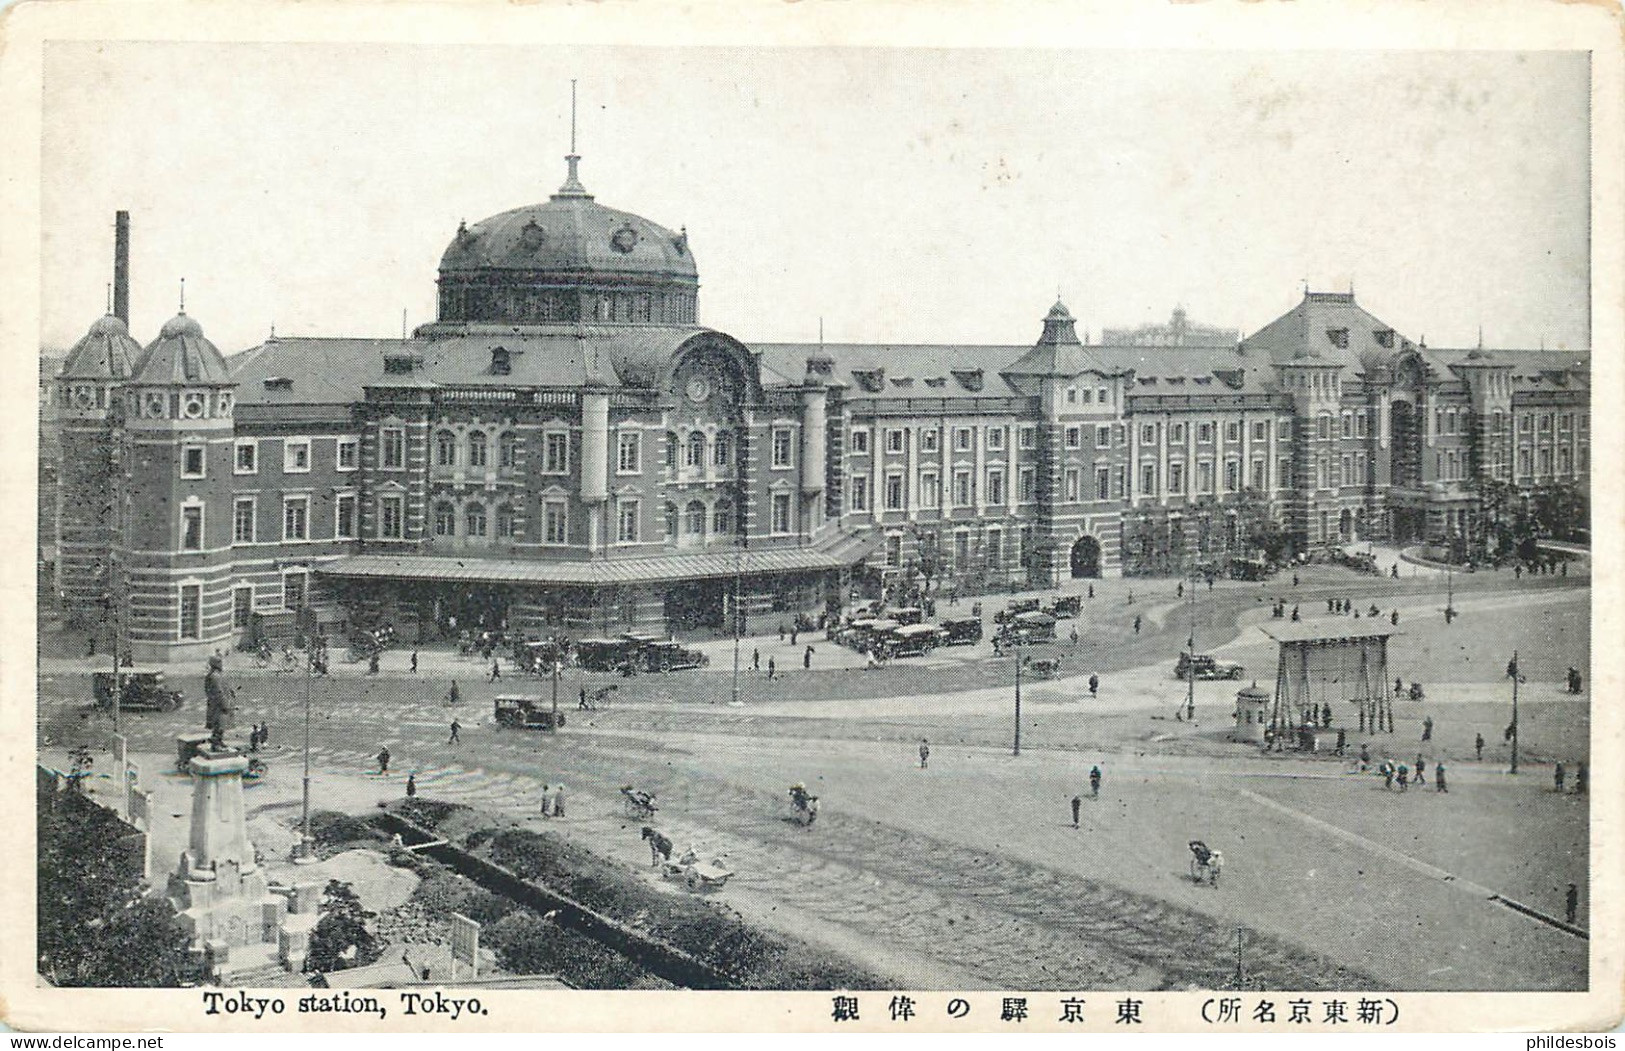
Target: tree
97 925
341 939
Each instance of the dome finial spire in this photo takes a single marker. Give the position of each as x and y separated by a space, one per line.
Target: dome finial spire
183 295
572 181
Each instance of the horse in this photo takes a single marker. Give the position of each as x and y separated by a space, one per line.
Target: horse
659 845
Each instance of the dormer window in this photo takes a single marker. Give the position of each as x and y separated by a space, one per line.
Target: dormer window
970 379
501 362
1339 337
278 383
1385 338
871 380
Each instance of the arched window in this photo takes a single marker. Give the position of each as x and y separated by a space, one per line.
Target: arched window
505 521
671 448
445 520
722 450
507 450
722 518
695 456
671 520
696 518
476 449
445 449
475 519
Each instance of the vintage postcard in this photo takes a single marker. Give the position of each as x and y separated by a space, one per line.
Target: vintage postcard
911 518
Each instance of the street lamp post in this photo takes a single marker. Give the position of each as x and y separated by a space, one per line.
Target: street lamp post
307 842
1513 668
1016 646
558 667
737 621
1190 667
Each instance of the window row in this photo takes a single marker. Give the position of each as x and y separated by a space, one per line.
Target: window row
296 456
698 450
697 520
473 449
295 524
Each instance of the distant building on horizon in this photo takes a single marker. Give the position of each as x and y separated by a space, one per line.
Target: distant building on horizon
1178 332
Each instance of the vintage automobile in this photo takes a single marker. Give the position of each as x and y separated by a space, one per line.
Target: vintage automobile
1015 608
667 655
965 632
1207 667
540 656
606 654
1065 607
905 614
1028 628
525 713
914 640
143 690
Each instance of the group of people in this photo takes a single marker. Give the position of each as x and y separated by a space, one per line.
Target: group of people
259 735
1094 793
1403 775
553 800
1560 778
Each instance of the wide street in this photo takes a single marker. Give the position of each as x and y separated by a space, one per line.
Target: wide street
969 873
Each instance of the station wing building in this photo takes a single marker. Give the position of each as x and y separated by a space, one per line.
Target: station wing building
565 449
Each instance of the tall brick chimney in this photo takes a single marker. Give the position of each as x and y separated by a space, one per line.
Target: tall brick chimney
121 267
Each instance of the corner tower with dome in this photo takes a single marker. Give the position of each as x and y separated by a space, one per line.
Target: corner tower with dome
565 450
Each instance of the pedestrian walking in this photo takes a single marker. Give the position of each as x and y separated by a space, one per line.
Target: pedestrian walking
1404 777
1557 777
794 633
781 631
581 700
1571 904
414 662
925 752
1438 778
496 671
1295 613
1077 804
755 659
1094 685
1094 782
1365 758
1478 747
806 659
1179 592
772 669
1517 571
411 785
1427 728
372 663
1136 624
558 800
1074 634
453 695
547 800
1091 591
1294 580
1131 596
1387 776
1393 618
383 760
1421 770
456 730
1580 779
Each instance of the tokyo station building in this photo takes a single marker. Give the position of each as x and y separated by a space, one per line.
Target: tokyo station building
565 448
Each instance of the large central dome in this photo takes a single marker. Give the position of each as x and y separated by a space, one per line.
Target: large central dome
567 259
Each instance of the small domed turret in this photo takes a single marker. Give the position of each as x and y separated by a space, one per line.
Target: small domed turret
107 352
181 355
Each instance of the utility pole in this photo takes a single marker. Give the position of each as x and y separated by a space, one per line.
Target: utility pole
1513 669
1190 668
307 842
737 618
557 667
1017 647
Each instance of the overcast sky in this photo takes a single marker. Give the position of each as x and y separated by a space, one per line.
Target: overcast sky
901 195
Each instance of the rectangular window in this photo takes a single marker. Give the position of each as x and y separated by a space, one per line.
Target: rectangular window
1545 423
555 523
1283 473
191 625
628 448
347 454
1361 425
1103 437
962 489
781 447
1069 485
1258 475
1148 434
1027 485
894 492
1103 395
1027 437
344 523
626 531
895 439
1083 395
1523 463
555 453
995 439
781 512
1176 433
392 451
294 586
1119 482
1176 479
295 518
929 495
1232 431
995 487
1260 430
478 449
962 439
192 528
192 461
1072 395
246 456
1545 462
1103 483
928 440
295 455
860 440
1348 424
1347 476
1204 433
1148 479
1074 437
1204 477
961 549
391 517
995 548
242 606
860 492
508 450
1119 435
242 520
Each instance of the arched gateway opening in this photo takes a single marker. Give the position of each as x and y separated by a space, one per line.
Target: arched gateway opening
1086 557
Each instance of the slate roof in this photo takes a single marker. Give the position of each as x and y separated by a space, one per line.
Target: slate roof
107 351
1308 332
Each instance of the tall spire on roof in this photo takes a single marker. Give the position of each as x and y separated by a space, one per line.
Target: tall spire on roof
572 182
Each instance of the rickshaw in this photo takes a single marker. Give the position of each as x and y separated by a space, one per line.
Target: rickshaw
1205 863
803 806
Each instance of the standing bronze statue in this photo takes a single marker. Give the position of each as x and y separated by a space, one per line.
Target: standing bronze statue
221 701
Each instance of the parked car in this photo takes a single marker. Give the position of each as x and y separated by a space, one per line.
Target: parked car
914 640
525 713
606 654
143 690
668 655
962 632
1030 627
1207 667
1064 608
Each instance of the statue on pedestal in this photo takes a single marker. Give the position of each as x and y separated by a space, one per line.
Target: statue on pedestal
222 702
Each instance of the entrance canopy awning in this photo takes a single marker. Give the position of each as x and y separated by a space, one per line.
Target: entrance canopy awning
710 565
